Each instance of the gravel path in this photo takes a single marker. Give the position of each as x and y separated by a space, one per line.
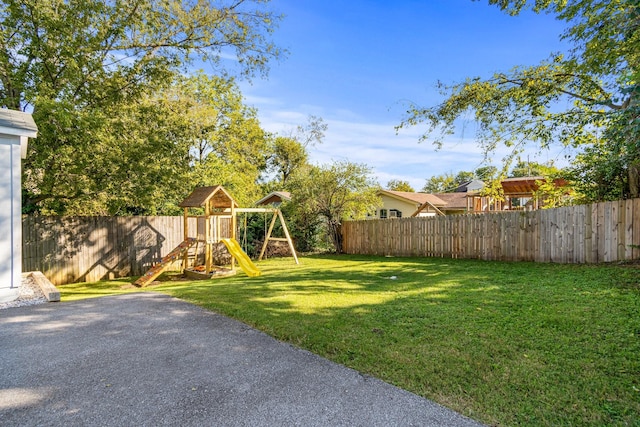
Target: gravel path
29 293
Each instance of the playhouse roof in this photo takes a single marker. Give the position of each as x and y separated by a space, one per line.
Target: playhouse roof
275 197
217 196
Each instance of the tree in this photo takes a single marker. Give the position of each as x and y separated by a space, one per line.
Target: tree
148 155
526 168
464 176
398 185
96 51
554 195
447 182
105 162
79 65
336 192
289 161
599 173
312 133
598 80
485 173
225 142
290 152
288 156
444 183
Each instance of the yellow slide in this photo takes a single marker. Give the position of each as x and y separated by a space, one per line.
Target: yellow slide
244 261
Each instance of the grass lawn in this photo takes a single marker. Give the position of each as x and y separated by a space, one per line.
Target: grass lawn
504 343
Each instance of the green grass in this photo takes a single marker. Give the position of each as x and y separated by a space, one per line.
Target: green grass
504 343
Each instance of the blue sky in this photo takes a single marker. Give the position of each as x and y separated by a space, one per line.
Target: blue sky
357 63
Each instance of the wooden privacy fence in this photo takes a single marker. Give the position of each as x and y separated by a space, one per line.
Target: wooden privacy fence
75 249
600 232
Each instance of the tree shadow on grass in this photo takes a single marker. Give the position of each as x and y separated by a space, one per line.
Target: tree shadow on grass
508 343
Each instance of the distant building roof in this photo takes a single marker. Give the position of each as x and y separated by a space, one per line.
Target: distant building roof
470 186
275 197
454 201
418 198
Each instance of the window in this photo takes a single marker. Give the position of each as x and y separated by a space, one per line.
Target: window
383 213
395 213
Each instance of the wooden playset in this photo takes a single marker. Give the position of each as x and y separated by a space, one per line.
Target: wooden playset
210 218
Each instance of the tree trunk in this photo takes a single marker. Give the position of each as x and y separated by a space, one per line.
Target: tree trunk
634 179
336 235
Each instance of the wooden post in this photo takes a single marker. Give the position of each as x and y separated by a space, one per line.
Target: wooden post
185 257
233 233
208 238
286 233
266 240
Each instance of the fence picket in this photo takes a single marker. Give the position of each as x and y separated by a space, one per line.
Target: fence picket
601 232
628 229
68 249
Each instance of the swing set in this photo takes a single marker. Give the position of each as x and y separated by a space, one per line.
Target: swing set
219 225
277 214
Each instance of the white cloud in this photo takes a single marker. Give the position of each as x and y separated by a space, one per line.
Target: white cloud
391 155
260 100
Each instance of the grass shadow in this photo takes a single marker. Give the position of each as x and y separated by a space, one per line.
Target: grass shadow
505 343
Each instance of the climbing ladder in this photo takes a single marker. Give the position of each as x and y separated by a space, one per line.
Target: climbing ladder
157 269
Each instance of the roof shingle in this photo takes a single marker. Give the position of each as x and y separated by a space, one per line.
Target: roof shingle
419 198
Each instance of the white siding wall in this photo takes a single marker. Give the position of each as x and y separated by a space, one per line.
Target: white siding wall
406 208
10 217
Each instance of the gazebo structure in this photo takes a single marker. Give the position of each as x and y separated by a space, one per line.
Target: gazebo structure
519 194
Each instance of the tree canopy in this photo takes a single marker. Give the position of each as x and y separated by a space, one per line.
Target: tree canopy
335 192
290 151
448 182
444 183
93 52
102 81
149 154
597 81
399 185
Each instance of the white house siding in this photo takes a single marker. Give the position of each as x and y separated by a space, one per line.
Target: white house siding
407 208
426 213
10 217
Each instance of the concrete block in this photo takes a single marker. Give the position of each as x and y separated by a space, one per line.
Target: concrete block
50 292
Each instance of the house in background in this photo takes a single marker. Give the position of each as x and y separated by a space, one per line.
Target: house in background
399 204
274 198
519 194
455 203
16 128
472 186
